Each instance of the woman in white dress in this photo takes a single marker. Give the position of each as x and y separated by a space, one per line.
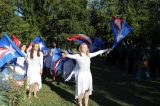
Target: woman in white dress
34 72
84 86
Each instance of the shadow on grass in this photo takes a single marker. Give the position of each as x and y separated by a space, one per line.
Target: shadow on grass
101 100
61 92
114 87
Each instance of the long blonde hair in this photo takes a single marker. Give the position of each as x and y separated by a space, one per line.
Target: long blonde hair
80 48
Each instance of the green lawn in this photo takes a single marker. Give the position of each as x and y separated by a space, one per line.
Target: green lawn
53 94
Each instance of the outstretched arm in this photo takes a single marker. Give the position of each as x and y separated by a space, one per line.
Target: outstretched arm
99 52
72 56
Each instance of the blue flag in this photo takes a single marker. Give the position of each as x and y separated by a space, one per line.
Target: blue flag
120 29
42 45
8 50
56 54
56 59
59 63
97 43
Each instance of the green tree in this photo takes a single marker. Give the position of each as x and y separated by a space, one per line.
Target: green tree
63 18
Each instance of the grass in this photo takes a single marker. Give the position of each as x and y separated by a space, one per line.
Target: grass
112 87
56 95
3 99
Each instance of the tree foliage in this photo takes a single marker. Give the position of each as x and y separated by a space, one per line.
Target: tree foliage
63 18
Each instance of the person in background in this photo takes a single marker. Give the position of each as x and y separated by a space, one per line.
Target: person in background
54 51
68 66
129 56
47 62
143 67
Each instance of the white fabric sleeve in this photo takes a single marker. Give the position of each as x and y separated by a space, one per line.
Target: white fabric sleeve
97 53
41 60
70 76
28 57
72 56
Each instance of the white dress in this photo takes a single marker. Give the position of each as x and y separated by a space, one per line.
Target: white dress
35 65
84 77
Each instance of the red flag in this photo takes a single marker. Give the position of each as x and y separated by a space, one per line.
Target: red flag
30 46
16 40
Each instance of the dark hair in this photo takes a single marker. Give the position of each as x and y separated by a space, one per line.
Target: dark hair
21 45
54 45
32 51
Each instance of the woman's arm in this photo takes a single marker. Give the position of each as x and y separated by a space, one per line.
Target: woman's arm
41 62
72 56
99 52
27 57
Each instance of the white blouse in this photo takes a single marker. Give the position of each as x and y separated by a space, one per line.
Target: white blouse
36 60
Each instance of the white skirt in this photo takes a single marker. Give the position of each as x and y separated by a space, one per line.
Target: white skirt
33 76
83 83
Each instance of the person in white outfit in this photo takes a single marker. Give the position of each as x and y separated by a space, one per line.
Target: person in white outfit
84 86
34 72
